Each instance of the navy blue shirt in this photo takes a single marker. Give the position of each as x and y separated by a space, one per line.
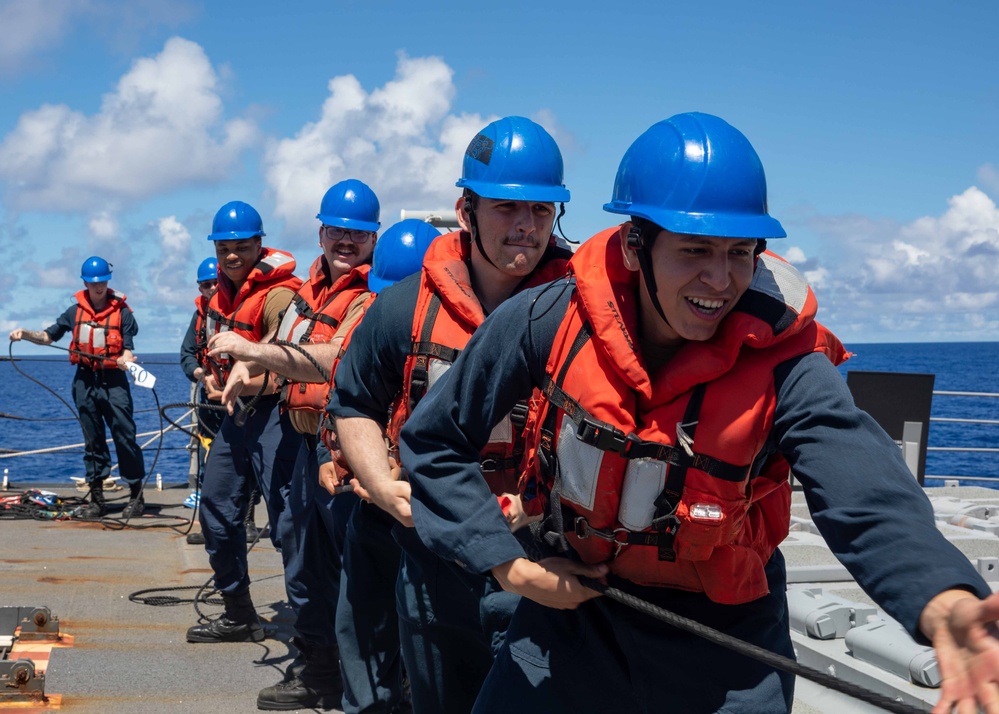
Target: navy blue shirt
371 372
189 349
67 320
860 493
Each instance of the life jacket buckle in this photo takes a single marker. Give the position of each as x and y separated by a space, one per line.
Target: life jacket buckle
604 436
618 536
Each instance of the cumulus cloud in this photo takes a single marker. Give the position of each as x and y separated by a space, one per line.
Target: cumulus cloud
103 226
934 278
169 277
32 29
399 138
160 129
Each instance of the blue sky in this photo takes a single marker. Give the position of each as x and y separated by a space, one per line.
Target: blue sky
125 125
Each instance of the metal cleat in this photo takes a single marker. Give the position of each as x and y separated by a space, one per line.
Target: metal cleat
825 617
20 683
887 645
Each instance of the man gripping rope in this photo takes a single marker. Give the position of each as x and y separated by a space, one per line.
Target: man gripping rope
677 377
449 622
258 443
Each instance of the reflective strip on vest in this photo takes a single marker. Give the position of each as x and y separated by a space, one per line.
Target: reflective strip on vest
90 336
780 281
289 330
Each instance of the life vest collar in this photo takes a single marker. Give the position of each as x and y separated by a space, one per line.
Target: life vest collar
114 302
273 265
778 303
445 268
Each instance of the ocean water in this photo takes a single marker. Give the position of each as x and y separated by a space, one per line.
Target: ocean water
967 367
20 397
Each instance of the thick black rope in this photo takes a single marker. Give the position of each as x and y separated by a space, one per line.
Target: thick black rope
323 372
76 352
16 417
750 650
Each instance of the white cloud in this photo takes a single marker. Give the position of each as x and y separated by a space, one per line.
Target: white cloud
103 226
160 129
933 278
32 27
399 138
62 271
169 280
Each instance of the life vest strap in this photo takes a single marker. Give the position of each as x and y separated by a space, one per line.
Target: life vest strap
229 322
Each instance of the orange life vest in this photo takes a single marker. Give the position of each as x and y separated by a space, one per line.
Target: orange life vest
242 311
97 333
447 313
327 425
653 475
313 317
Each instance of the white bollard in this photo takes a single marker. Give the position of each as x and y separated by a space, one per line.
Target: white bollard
159 481
4 487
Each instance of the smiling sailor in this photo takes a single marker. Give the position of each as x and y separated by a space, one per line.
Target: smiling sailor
676 379
512 193
255 285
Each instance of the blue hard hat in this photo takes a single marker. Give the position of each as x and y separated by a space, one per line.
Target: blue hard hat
695 174
350 204
236 221
514 158
208 270
95 270
399 252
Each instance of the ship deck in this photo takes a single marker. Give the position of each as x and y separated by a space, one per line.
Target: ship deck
128 657
133 658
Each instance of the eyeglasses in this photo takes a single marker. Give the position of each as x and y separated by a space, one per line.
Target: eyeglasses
335 233
207 284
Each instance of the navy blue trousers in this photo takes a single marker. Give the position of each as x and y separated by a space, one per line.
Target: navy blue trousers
607 657
451 624
312 533
264 448
367 627
103 396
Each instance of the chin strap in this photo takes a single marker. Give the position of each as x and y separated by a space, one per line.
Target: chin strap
473 226
641 236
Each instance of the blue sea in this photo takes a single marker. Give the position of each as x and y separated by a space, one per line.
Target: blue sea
966 367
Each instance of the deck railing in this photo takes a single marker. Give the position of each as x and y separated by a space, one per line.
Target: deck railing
977 423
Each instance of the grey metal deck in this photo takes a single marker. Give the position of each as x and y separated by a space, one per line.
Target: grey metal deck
128 657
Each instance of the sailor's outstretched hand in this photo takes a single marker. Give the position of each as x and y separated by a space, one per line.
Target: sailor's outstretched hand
552 582
965 634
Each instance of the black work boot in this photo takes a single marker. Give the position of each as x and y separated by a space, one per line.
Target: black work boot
311 682
238 623
253 533
97 507
136 505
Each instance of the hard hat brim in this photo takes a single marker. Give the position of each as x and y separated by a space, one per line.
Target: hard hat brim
351 224
719 225
98 279
236 235
516 192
